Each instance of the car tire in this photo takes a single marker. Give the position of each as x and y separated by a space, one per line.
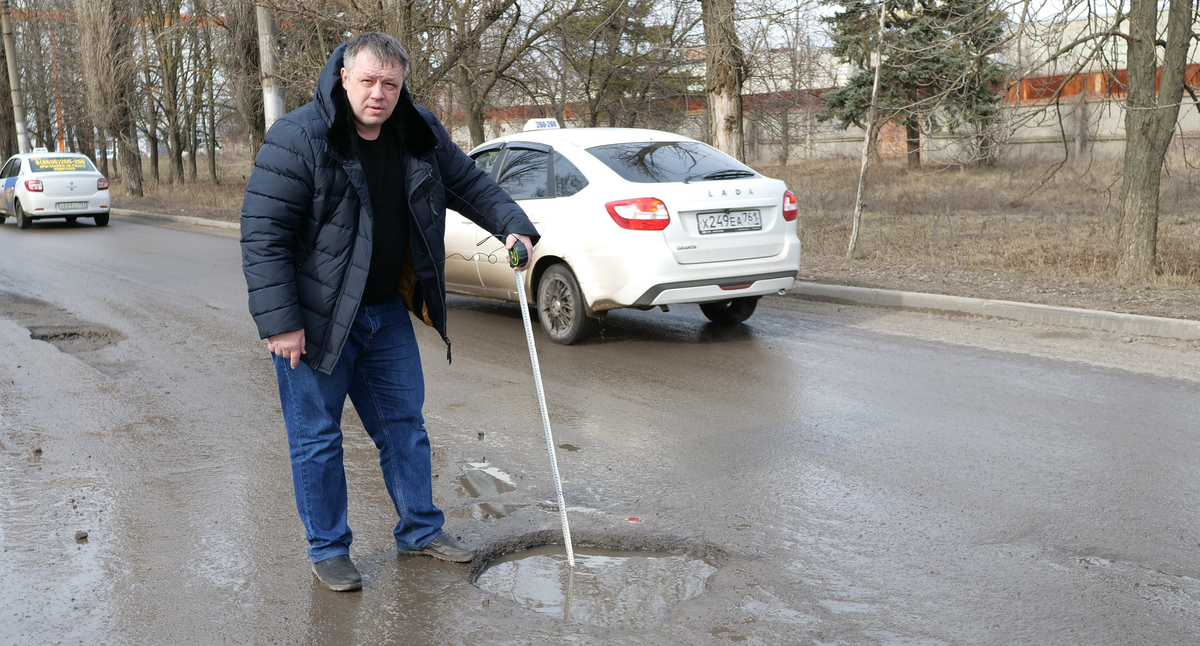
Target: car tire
102 220
2 218
560 307
730 312
23 221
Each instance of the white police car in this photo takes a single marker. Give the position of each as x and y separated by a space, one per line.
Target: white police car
629 218
53 185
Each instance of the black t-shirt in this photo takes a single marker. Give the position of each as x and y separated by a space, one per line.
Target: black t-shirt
383 163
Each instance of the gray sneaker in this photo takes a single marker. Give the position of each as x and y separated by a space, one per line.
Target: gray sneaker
445 548
338 573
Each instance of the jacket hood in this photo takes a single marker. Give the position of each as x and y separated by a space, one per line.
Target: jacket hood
331 101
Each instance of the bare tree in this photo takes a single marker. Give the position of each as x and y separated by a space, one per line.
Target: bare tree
509 40
239 61
1084 39
166 44
785 70
210 103
726 71
111 79
110 75
1151 114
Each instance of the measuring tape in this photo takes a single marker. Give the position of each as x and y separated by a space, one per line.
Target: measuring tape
517 257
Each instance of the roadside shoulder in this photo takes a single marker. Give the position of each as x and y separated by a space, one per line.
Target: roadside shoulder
182 219
1133 324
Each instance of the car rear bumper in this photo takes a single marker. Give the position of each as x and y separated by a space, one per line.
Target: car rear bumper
640 272
55 207
707 291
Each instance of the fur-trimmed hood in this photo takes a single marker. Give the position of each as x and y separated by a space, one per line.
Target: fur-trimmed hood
331 101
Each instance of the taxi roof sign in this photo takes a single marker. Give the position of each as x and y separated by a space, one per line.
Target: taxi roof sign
541 124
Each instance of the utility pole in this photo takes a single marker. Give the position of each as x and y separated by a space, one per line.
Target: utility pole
14 81
272 99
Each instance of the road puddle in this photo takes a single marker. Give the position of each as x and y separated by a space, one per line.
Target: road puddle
480 480
606 588
486 511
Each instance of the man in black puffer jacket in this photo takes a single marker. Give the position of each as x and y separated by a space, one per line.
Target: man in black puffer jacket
342 236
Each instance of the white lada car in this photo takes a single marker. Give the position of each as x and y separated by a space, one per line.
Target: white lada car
53 185
629 218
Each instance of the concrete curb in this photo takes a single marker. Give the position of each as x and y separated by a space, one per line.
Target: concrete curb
1133 324
183 219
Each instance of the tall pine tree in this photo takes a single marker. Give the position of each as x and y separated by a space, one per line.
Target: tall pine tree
940 65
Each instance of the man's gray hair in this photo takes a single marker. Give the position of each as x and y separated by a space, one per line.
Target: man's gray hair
388 50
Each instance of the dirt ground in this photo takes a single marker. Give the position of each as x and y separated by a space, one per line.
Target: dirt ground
1027 233
1015 233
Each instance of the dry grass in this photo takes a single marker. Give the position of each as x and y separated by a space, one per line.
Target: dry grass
1009 218
201 198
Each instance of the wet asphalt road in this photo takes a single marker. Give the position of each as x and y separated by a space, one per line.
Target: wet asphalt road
856 476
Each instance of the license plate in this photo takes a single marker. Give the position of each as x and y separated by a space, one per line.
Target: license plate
729 221
72 206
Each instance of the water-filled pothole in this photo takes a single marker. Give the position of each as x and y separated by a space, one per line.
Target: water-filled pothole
480 480
607 588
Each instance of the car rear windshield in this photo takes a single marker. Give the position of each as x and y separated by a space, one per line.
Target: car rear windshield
59 164
648 162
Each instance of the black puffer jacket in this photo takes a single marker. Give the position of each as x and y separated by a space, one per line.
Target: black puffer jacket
306 219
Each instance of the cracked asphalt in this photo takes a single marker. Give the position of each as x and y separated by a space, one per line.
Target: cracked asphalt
852 476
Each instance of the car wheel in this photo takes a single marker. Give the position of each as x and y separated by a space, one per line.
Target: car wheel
730 312
560 307
102 220
72 219
23 221
2 218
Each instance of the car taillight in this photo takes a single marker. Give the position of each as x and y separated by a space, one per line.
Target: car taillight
640 214
34 185
102 184
789 206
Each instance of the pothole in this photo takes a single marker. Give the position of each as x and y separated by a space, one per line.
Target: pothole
480 480
58 327
74 339
607 588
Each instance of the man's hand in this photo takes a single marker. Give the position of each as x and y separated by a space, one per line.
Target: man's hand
289 345
512 238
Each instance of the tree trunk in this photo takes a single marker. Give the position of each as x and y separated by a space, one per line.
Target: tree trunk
103 156
785 137
211 104
472 107
241 64
175 154
726 71
152 139
868 136
130 159
193 147
1150 118
912 134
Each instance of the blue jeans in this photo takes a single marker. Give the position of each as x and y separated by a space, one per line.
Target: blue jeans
380 369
